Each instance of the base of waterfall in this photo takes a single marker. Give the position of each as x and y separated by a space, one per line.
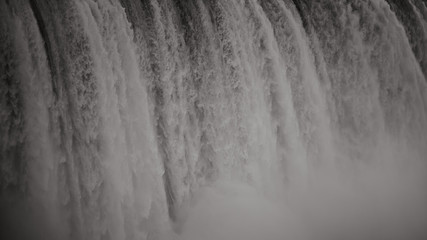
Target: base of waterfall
328 209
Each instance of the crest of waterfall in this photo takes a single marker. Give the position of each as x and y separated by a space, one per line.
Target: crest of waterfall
142 119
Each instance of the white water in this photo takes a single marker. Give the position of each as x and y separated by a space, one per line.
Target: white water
206 120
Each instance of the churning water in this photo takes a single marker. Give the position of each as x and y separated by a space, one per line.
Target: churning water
213 119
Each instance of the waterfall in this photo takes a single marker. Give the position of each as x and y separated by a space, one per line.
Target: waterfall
153 119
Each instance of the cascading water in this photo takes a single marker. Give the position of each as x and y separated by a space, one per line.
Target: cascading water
165 119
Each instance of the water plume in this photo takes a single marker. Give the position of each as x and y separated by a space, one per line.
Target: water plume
139 119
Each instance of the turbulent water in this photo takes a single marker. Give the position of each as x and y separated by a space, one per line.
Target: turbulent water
213 119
